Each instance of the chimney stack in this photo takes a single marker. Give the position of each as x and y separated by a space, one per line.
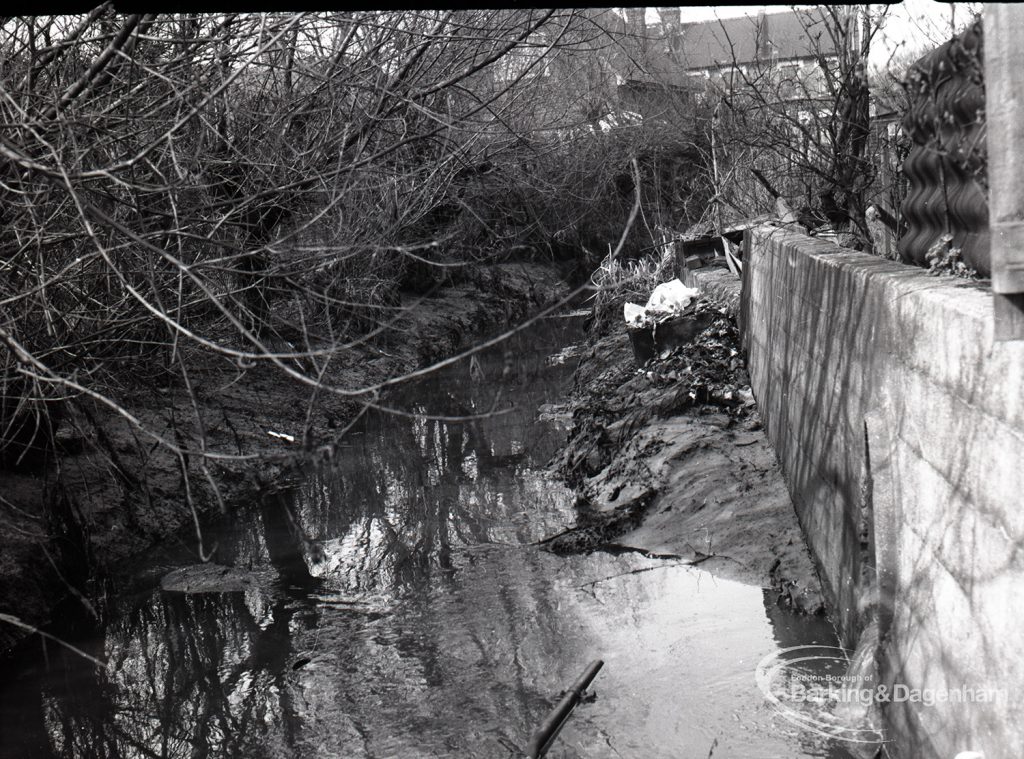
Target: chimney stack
671 18
636 20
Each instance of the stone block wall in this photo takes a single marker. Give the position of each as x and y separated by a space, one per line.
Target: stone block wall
899 423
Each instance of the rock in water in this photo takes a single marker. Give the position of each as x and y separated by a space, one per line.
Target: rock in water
208 578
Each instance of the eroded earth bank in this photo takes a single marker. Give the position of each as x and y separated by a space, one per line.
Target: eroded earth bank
670 459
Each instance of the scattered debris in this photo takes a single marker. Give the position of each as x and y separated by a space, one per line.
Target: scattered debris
669 299
635 315
596 530
732 258
665 324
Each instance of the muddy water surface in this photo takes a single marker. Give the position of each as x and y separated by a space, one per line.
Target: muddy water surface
393 605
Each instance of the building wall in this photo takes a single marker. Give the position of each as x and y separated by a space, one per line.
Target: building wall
898 419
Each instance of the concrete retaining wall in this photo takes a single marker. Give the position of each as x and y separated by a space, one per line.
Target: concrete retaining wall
716 283
899 423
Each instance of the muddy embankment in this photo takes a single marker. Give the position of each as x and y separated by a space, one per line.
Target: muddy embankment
671 460
113 493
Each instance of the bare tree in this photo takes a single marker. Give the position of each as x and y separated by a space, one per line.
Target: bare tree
194 204
802 125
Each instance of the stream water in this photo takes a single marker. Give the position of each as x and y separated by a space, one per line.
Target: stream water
393 605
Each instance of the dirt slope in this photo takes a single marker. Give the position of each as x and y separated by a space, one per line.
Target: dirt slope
670 459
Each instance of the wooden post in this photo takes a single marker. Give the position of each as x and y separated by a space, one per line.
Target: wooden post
546 734
1004 104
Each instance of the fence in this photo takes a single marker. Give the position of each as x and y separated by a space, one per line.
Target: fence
947 199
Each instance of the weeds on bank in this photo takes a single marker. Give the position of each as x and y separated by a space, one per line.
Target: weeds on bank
618 282
945 258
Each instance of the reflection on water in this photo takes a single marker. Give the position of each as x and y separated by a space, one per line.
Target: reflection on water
399 609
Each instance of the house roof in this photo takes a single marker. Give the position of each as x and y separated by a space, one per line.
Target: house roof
779 36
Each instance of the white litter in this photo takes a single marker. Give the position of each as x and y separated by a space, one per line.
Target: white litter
668 299
635 315
282 436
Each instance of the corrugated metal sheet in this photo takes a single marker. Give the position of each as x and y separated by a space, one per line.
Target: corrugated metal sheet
946 167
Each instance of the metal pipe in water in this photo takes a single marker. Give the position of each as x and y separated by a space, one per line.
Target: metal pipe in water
556 719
